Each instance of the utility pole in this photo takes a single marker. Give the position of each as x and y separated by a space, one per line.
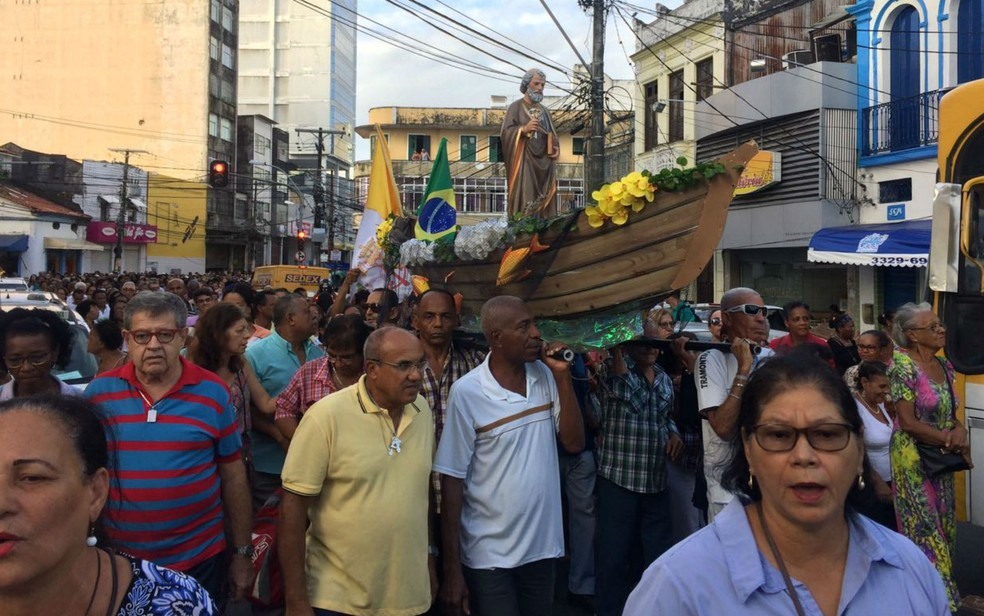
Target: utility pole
594 172
121 215
319 188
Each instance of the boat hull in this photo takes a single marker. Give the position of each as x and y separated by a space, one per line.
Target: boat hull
592 271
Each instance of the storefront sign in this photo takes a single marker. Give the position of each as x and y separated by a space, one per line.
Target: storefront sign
133 233
764 170
896 212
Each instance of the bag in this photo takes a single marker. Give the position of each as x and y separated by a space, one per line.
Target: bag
268 586
937 461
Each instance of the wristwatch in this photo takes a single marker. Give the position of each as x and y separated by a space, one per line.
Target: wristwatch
245 550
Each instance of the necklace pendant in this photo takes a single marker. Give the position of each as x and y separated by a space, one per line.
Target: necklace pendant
395 445
152 416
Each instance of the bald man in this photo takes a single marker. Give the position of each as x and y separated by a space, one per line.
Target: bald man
359 468
501 516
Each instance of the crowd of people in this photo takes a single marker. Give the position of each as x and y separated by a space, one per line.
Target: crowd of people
420 472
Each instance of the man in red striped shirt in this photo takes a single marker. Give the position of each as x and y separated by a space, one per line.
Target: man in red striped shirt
180 479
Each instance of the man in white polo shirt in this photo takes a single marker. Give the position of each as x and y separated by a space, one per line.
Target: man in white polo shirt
721 379
500 483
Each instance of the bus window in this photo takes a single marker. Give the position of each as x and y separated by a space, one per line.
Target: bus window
972 239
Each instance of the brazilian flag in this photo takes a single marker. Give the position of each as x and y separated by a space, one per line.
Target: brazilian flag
437 216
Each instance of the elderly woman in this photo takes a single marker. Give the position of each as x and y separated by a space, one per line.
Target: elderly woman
842 344
922 387
32 343
791 543
54 480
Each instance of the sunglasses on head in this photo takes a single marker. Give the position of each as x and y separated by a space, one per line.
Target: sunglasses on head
749 309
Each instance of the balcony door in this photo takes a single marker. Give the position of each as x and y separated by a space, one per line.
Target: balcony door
904 75
970 41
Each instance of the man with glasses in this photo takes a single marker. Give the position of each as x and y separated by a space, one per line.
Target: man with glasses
721 379
359 471
500 487
343 339
382 308
275 360
177 450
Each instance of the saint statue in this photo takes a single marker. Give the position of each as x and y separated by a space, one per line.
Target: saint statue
530 148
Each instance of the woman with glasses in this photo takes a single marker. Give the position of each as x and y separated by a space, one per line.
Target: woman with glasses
714 325
221 335
922 386
792 542
32 343
873 345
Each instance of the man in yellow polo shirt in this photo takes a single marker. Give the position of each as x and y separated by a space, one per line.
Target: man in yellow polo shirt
359 464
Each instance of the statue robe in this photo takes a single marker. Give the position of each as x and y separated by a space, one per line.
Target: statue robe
530 173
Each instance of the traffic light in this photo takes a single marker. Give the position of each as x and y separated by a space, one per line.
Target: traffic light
301 236
218 174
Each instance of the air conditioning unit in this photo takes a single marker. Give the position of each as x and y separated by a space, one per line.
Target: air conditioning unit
827 48
800 57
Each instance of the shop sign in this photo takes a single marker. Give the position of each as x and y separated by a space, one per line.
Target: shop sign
133 233
762 171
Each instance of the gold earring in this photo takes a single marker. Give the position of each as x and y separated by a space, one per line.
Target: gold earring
860 481
751 481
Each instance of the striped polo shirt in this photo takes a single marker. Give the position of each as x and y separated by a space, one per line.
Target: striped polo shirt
165 501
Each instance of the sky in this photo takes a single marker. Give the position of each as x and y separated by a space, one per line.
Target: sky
388 76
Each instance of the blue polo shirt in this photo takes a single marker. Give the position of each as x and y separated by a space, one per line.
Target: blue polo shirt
720 570
275 363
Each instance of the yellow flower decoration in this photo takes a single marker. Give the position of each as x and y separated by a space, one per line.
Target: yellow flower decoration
595 218
621 216
383 230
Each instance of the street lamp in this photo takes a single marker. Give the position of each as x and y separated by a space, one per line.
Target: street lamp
291 186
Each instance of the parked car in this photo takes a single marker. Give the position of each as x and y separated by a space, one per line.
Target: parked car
777 322
9 283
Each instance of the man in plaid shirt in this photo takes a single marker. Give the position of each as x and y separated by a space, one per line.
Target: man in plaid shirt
633 500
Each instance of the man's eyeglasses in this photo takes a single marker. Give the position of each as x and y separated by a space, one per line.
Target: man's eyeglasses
164 336
822 437
15 363
338 357
749 309
715 321
404 367
373 307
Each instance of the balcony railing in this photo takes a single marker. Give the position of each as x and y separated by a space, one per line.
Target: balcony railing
901 124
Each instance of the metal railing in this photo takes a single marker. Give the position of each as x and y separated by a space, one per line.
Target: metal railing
901 124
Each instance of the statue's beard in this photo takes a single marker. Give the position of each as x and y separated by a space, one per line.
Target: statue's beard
535 97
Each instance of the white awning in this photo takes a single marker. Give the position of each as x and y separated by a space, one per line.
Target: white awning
137 203
901 244
57 243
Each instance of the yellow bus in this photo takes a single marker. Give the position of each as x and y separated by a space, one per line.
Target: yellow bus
290 277
956 270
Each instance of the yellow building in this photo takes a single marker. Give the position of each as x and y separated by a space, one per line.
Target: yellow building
679 61
178 209
83 77
474 153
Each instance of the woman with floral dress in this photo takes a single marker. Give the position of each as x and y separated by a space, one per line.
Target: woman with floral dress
921 385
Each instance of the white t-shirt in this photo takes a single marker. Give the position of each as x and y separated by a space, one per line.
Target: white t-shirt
503 445
7 390
876 440
715 373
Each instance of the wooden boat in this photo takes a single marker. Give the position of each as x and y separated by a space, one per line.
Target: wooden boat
611 269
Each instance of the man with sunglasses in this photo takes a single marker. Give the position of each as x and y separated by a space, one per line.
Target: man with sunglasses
721 379
177 449
382 308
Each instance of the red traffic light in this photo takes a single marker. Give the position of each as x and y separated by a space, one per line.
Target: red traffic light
218 174
301 235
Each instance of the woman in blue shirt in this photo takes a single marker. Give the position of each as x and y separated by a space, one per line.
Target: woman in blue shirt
792 542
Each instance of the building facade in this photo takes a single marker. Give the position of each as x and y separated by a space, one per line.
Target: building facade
909 55
176 103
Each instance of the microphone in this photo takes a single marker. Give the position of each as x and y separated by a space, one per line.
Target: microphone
564 354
